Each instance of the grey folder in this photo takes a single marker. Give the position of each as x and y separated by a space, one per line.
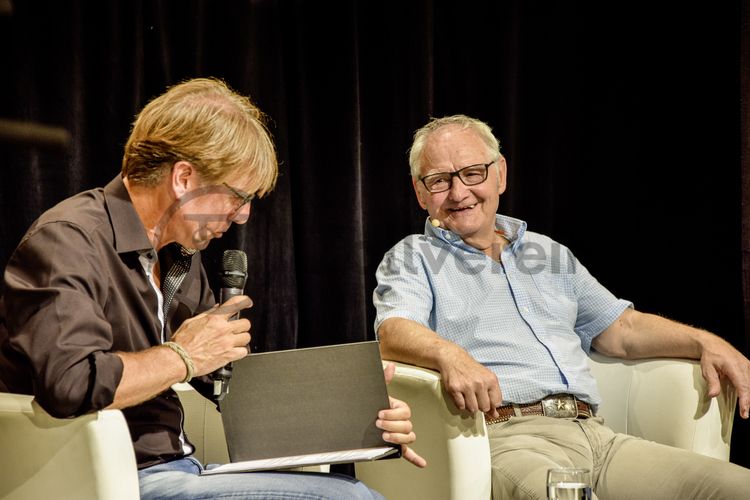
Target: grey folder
315 405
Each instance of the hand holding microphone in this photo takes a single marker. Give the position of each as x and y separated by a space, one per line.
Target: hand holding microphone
233 277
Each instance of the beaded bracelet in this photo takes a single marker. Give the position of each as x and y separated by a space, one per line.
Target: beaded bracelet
189 366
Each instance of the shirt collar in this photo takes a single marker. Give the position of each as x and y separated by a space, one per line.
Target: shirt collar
513 229
130 235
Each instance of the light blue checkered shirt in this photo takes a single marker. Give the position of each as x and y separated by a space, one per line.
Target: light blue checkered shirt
530 319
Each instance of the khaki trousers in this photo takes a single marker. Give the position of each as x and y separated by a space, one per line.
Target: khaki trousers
622 466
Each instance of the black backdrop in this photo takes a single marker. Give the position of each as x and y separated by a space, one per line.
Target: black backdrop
620 122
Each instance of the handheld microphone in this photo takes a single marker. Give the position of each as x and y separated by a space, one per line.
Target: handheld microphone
233 275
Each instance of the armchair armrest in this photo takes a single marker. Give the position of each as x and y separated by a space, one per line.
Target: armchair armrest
203 426
454 443
88 457
665 400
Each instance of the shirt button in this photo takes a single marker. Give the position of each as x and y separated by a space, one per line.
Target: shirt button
525 309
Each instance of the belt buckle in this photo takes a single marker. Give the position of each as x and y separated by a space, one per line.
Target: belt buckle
560 406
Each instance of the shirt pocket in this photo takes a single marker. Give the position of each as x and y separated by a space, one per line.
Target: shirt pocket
561 306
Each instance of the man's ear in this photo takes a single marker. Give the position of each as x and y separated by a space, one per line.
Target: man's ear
420 193
502 175
183 178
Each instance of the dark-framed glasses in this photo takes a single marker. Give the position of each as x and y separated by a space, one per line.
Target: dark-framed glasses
243 198
470 176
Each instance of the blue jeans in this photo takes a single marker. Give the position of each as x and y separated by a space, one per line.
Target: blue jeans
181 480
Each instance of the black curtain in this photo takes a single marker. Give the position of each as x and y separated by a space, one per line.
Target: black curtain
620 122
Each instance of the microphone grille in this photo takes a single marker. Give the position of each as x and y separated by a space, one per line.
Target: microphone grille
233 269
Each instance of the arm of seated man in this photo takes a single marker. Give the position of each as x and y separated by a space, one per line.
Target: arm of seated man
472 386
211 339
637 335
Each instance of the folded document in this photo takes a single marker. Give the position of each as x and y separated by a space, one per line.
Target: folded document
305 407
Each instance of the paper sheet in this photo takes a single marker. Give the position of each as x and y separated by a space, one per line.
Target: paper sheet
303 460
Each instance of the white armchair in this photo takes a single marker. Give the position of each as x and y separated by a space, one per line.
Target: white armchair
90 457
662 400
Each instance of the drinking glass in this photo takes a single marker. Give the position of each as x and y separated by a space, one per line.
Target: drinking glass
568 484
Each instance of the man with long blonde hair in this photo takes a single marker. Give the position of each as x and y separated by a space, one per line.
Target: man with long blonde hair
108 305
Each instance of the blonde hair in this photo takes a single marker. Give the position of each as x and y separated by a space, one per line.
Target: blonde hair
206 123
465 122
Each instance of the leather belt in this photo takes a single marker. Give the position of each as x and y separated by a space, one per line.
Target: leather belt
555 406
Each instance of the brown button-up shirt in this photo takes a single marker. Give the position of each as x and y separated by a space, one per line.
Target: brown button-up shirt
75 293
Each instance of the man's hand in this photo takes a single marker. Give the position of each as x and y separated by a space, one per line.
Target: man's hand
720 360
472 386
397 424
212 339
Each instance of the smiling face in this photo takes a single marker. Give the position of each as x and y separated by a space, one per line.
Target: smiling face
468 211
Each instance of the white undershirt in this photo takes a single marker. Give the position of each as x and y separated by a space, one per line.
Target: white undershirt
148 259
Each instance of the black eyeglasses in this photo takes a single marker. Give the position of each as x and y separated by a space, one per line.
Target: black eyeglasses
244 199
470 176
